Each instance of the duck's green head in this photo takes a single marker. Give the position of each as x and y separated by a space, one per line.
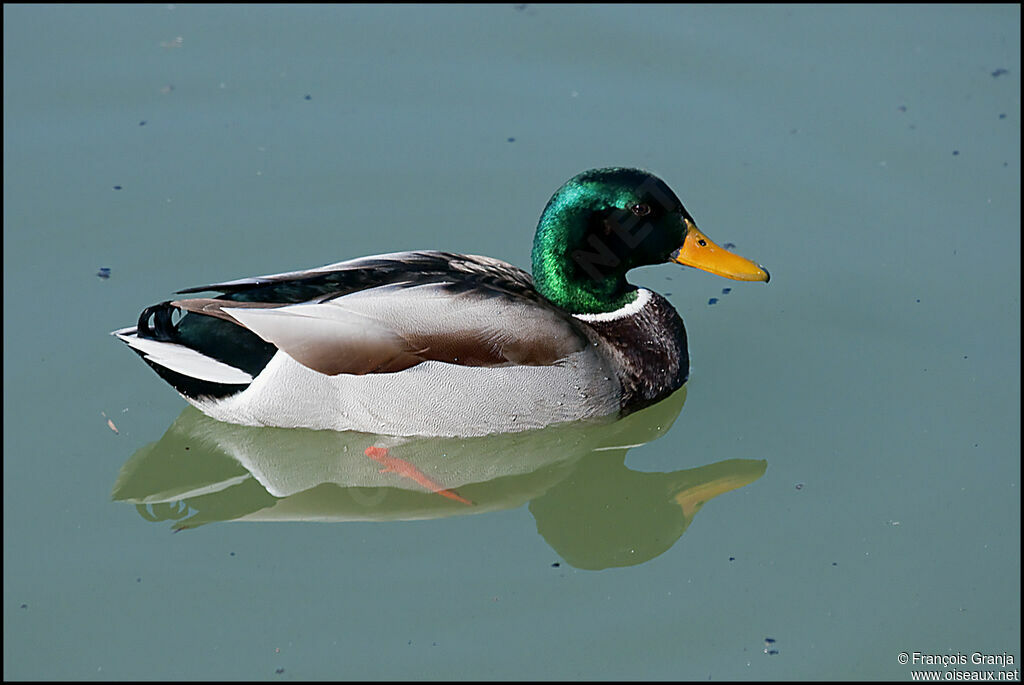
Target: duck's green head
604 222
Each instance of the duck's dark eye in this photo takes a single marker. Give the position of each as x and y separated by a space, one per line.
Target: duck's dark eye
640 209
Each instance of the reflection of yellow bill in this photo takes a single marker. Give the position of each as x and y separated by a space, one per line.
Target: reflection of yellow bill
739 472
700 252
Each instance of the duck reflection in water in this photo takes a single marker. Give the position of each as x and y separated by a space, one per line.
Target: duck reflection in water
593 510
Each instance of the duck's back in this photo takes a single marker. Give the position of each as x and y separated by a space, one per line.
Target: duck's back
415 343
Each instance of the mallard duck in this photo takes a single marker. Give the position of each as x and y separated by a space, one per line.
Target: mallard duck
437 343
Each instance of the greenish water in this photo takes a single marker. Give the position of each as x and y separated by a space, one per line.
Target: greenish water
843 478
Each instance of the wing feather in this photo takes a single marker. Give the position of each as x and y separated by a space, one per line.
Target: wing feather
389 328
389 312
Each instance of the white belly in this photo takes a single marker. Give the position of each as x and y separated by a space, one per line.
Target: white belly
432 398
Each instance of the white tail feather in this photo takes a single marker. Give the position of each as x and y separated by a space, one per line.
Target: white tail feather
183 360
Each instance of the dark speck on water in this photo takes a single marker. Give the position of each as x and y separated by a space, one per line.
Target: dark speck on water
999 72
104 272
729 246
956 152
117 187
308 97
726 291
511 140
713 300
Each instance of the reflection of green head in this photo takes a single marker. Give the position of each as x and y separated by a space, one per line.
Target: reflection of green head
605 515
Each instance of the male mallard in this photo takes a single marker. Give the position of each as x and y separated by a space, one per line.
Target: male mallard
436 343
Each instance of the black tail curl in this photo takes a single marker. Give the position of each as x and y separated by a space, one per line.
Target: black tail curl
162 327
226 341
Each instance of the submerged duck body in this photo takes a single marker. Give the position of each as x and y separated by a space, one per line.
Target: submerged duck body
437 343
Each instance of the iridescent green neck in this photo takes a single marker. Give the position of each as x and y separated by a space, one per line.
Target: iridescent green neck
573 267
557 276
598 226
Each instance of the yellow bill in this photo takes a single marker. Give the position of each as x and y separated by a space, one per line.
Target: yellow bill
700 252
